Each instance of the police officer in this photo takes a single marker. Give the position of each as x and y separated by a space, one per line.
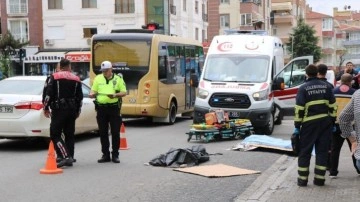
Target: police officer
64 97
315 113
108 89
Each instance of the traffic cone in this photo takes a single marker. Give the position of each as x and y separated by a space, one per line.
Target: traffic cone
51 167
123 142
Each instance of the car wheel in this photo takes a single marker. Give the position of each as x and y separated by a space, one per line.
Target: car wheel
172 113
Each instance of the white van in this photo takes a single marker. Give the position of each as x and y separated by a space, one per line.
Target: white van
240 77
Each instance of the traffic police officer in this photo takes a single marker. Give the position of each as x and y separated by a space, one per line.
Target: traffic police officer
108 89
64 97
315 114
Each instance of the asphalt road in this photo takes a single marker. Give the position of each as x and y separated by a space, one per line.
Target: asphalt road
131 180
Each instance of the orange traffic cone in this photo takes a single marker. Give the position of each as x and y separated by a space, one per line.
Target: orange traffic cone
51 167
123 142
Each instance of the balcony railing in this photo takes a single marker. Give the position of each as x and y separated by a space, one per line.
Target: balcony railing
284 18
351 43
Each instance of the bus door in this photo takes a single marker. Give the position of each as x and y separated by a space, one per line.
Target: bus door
190 68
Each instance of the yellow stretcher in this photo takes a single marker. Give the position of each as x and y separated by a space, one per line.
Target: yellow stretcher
233 129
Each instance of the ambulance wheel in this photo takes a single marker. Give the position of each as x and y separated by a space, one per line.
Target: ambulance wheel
172 113
268 129
279 116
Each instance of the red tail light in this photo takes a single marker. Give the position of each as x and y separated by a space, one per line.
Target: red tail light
29 105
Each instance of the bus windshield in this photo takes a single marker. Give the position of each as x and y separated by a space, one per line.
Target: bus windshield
129 57
237 68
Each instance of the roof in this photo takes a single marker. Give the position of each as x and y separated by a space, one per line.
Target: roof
316 15
345 27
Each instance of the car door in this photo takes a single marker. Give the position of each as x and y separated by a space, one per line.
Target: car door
87 119
294 76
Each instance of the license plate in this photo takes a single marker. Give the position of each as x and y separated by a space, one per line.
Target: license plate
6 109
234 114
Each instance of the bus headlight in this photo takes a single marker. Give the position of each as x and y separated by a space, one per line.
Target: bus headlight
203 94
261 95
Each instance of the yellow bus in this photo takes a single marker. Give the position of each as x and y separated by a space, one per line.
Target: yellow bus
157 70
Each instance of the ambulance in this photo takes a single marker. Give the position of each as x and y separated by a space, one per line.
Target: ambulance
242 73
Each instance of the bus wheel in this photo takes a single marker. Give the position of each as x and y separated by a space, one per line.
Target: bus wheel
172 113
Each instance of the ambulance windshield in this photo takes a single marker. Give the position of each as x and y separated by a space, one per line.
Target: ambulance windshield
237 68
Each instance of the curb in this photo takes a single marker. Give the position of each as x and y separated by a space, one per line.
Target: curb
267 183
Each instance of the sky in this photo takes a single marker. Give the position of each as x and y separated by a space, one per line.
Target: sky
326 6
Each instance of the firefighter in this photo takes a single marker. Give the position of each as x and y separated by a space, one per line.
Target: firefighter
315 114
64 97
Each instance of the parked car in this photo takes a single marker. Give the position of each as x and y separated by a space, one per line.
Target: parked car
21 109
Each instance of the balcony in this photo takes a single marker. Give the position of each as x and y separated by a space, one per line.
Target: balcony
284 18
351 43
283 6
328 50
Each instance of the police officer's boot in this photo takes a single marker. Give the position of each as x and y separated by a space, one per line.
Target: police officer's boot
104 159
65 162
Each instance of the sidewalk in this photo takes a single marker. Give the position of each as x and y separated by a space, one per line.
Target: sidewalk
278 183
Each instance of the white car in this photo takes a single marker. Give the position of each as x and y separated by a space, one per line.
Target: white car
21 109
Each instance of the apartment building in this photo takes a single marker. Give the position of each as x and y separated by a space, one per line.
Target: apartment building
286 15
56 27
348 36
324 27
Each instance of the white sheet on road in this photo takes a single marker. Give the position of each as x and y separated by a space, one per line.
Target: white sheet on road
254 141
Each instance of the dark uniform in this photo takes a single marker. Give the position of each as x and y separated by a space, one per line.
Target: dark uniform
108 112
315 113
343 94
64 97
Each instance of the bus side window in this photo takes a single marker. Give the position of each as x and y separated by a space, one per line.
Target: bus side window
162 67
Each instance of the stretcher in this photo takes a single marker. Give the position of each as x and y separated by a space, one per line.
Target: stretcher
233 129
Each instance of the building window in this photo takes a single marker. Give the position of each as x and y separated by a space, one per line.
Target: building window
55 4
19 29
245 19
225 21
124 6
225 1
350 36
89 3
89 32
196 33
327 43
203 35
184 5
17 7
327 59
327 24
196 7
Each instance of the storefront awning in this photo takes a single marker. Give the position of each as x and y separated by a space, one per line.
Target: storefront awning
45 57
285 6
78 56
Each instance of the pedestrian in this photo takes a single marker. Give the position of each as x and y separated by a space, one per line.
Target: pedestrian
349 115
349 68
343 95
108 89
322 68
64 97
315 113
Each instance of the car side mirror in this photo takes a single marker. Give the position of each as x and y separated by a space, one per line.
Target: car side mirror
194 80
278 84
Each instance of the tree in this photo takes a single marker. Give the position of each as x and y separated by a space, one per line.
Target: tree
304 42
8 45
